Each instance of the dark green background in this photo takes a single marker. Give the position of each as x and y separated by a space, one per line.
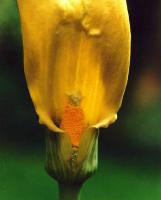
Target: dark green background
129 151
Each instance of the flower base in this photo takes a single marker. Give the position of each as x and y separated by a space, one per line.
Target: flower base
69 165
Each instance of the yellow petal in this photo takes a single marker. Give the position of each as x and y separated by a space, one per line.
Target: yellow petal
76 47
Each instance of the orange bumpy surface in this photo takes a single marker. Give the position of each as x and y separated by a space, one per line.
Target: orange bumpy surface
73 123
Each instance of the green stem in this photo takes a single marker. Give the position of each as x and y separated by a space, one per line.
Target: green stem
69 192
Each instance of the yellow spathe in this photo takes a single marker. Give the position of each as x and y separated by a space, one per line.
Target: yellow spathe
78 48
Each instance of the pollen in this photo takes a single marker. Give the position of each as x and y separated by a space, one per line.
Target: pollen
73 122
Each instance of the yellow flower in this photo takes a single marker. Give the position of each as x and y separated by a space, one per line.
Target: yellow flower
76 56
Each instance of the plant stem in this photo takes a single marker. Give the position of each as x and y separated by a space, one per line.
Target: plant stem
69 192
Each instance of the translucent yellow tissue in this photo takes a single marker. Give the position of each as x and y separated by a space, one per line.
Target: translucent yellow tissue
76 56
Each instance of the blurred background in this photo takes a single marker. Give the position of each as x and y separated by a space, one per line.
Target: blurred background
129 151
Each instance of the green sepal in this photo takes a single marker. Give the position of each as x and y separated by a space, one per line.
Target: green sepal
69 164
